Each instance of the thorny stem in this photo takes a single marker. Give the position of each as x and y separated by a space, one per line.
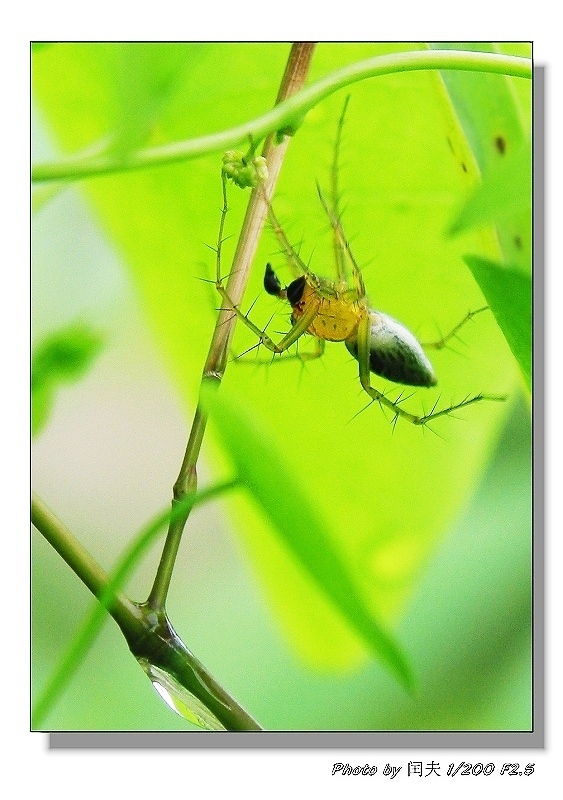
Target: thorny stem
294 77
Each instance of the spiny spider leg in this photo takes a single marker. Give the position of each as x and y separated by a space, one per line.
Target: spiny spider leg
303 357
220 238
445 339
292 336
338 243
298 265
299 328
340 235
393 405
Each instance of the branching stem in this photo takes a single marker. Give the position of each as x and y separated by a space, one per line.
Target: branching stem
149 636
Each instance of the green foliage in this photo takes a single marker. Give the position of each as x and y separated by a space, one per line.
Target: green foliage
386 497
270 481
284 118
62 357
92 625
495 117
509 294
506 189
498 131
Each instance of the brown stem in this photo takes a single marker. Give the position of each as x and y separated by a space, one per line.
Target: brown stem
293 79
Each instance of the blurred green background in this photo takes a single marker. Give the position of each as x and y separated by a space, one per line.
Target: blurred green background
435 529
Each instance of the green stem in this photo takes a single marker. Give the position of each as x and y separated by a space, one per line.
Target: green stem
123 610
288 114
136 623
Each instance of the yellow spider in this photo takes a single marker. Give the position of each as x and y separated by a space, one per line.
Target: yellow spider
337 311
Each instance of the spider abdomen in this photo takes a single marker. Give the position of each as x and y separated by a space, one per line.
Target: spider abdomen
394 353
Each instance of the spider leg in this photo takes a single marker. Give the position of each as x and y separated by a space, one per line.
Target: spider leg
394 405
303 357
295 261
342 245
297 330
311 355
365 375
338 242
445 339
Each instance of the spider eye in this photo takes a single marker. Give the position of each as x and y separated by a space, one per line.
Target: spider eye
295 290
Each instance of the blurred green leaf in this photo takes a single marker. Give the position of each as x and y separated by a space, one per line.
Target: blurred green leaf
506 189
509 294
37 47
273 485
61 357
497 121
146 75
42 399
44 194
494 113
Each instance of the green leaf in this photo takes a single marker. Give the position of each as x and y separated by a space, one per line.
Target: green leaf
494 114
285 118
41 406
37 47
509 294
505 191
61 357
148 75
496 120
271 481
